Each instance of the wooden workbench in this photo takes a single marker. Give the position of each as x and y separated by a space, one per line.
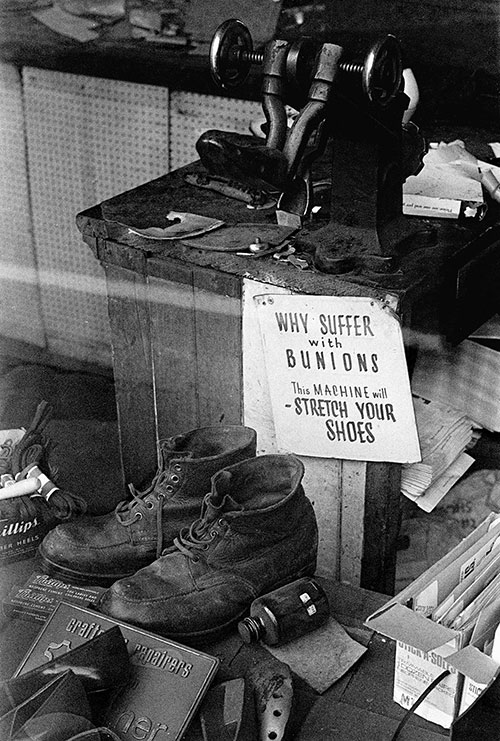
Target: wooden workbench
358 707
187 351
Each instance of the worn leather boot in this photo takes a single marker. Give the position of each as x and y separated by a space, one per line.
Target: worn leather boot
257 531
102 549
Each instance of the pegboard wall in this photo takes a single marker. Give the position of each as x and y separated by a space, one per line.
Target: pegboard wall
191 114
84 140
20 314
88 139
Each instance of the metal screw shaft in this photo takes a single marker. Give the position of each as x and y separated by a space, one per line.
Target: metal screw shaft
257 57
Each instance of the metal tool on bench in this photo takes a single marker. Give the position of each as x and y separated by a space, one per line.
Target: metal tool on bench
350 105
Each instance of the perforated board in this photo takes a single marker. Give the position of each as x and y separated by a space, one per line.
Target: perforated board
20 315
191 114
88 139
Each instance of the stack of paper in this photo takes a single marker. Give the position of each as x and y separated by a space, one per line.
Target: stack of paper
444 433
448 185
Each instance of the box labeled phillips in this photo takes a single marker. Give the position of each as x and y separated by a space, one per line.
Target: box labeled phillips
40 594
444 622
22 529
167 683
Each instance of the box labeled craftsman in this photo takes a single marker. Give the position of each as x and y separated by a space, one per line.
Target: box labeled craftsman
168 680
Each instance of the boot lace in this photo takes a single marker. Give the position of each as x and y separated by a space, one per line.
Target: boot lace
66 505
6 449
198 536
130 510
25 507
127 512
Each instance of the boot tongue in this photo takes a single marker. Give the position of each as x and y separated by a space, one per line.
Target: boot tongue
169 453
221 500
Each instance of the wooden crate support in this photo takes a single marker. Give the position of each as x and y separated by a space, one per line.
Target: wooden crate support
339 490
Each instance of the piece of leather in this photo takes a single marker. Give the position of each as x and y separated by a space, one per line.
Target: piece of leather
53 713
228 712
273 691
100 664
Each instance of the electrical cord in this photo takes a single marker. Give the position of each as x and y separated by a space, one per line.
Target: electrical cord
406 717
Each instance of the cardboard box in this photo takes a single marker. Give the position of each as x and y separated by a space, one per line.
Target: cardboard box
20 531
465 376
40 594
424 648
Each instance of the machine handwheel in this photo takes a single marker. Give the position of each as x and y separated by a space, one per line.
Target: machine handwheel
231 54
382 70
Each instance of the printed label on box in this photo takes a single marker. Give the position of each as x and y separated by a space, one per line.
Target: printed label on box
415 670
167 683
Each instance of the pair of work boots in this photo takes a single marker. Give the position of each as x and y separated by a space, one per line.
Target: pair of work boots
186 564
54 702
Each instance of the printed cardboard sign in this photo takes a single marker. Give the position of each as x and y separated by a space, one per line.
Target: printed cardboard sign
338 378
167 684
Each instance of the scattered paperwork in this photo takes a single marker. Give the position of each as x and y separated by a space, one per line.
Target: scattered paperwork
495 148
106 9
444 433
58 20
439 487
448 184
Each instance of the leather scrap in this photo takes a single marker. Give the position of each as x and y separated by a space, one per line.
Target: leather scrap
321 657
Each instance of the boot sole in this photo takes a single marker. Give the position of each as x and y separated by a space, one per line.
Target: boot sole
219 632
78 577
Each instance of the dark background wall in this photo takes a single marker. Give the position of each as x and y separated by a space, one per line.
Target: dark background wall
452 45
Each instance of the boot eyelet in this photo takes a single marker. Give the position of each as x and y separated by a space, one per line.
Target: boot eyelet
150 505
177 468
174 478
221 521
169 488
138 515
195 559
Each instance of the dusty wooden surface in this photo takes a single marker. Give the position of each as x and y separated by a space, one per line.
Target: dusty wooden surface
357 707
424 288
207 364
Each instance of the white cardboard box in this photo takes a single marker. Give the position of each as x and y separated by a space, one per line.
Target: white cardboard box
425 648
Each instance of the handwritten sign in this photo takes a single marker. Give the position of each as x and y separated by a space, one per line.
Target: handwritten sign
338 378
